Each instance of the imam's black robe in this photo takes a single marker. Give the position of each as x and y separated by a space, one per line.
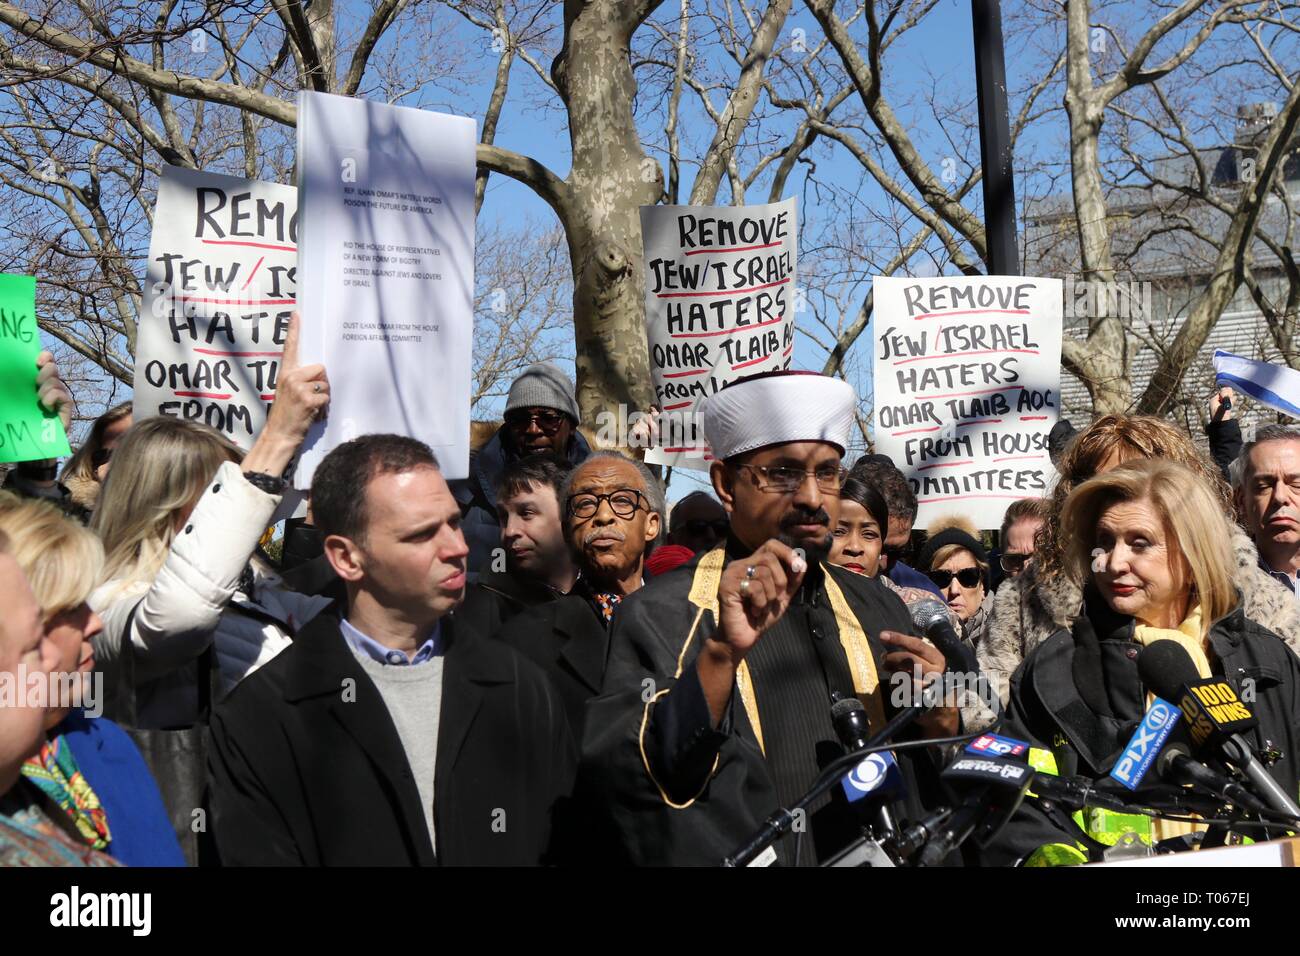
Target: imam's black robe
649 750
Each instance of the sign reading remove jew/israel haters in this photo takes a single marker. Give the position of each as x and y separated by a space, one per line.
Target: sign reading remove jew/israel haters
967 381
719 305
221 284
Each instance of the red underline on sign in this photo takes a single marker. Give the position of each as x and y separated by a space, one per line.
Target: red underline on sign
926 358
694 371
1018 458
268 398
195 298
948 464
983 391
750 362
913 431
199 395
705 252
248 245
739 328
1033 418
679 450
669 408
753 288
253 273
236 354
789 350
931 315
962 497
981 421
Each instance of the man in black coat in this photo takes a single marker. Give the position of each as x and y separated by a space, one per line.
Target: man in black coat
391 736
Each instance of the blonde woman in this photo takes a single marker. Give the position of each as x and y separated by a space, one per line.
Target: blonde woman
1150 547
180 517
89 775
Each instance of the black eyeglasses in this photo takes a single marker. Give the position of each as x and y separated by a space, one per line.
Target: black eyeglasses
548 419
966 577
624 503
784 480
1011 563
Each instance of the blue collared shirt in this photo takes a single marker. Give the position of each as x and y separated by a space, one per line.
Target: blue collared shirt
386 655
1290 581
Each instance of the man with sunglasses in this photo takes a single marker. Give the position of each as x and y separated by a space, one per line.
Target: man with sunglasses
1018 539
716 704
698 522
541 415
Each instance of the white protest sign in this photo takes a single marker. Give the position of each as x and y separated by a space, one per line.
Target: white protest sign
387 208
719 305
967 383
220 287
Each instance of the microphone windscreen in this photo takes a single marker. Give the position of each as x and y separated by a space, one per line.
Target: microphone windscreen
1166 668
843 707
926 613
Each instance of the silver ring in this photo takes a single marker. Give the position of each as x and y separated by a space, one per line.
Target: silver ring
749 571
316 388
744 586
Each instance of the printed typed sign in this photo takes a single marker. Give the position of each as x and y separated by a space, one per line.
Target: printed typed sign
222 272
719 305
27 432
967 386
387 203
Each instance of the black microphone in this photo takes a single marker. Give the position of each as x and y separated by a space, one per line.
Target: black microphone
1176 763
877 781
1213 715
930 618
995 788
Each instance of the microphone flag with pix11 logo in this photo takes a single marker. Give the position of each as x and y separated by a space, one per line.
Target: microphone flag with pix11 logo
1146 743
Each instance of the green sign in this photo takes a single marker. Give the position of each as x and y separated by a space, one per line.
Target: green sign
27 432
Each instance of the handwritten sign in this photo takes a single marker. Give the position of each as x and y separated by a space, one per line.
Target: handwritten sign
387 200
719 305
27 432
967 387
222 281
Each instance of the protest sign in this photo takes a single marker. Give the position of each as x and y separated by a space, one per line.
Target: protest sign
221 284
387 206
27 432
719 305
967 381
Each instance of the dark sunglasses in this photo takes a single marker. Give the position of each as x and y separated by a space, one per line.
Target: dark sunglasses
1012 563
966 577
101 457
548 420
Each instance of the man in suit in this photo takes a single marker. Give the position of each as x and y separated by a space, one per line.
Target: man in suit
612 508
390 736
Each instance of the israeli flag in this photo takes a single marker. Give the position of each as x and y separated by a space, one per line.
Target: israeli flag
1276 386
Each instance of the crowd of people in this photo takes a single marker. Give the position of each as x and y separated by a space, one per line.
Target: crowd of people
544 663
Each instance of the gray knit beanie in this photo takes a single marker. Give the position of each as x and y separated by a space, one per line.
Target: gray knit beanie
543 385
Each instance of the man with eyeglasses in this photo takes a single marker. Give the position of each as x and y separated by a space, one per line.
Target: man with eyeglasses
716 704
611 507
541 415
697 522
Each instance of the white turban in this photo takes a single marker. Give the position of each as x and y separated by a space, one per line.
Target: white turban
777 408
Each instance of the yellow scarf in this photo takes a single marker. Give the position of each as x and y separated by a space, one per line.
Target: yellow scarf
1191 635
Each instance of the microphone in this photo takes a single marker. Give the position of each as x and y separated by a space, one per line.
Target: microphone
1140 752
930 617
1214 717
877 779
996 786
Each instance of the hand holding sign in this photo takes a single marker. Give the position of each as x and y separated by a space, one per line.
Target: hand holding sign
302 394
28 432
50 390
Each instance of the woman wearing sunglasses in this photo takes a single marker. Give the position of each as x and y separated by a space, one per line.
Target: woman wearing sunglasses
955 560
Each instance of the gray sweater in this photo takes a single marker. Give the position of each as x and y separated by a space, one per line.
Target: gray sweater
413 696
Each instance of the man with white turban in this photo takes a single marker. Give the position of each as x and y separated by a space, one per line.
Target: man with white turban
716 702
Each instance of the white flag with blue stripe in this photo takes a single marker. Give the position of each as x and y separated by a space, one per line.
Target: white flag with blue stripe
1277 386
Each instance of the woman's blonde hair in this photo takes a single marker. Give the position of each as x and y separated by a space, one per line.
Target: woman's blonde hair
1129 437
160 468
61 559
1193 520
81 466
